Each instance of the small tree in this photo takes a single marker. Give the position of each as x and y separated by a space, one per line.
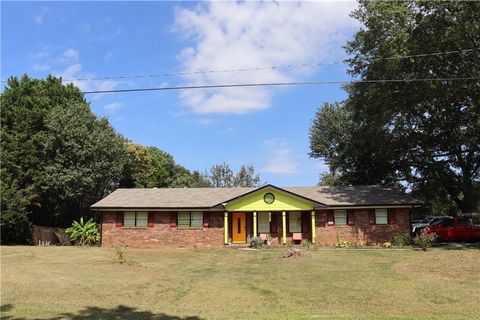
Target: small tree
85 234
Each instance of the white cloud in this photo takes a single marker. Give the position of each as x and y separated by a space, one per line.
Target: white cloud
85 27
40 67
108 57
280 158
232 35
206 121
70 54
72 73
65 63
39 18
113 107
227 130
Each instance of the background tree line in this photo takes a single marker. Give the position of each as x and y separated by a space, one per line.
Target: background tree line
58 158
419 135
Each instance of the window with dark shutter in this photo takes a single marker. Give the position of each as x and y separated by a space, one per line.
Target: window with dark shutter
173 220
274 223
340 217
206 219
190 219
381 216
350 217
150 222
392 216
119 219
371 216
330 218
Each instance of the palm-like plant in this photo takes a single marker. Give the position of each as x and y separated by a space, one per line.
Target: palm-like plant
85 234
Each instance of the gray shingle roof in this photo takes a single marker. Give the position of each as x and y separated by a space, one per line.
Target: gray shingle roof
209 197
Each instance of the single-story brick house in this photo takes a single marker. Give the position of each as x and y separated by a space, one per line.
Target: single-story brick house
158 217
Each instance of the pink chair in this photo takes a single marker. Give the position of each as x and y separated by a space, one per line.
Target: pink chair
297 236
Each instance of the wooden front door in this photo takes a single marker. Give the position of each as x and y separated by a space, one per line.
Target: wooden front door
239 227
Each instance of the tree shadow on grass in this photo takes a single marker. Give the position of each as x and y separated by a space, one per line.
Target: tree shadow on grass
457 245
5 308
117 313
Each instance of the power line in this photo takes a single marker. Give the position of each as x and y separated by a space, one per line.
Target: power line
305 65
276 84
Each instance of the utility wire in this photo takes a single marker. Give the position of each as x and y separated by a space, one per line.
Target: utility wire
276 84
306 65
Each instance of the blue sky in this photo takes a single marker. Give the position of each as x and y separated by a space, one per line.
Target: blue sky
265 127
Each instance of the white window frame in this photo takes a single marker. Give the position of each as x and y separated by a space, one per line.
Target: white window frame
140 219
381 216
265 218
296 228
194 218
340 217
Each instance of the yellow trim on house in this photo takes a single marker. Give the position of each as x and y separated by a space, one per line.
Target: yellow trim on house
283 202
254 223
284 227
313 227
225 228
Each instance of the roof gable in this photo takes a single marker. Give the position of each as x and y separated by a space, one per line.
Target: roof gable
284 200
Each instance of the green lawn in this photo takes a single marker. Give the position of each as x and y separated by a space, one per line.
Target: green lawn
83 283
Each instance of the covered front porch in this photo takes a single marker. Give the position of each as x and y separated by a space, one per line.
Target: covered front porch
272 214
277 227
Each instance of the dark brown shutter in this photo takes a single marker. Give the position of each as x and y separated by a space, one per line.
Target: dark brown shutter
350 217
330 219
173 219
119 219
392 216
371 216
206 219
305 223
274 223
151 216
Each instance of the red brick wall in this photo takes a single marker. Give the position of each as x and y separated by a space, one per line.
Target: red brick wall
162 235
362 232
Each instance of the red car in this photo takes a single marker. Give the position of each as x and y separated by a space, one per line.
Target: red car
458 229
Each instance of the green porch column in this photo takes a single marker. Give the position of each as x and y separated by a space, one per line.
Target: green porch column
254 223
313 226
284 227
225 228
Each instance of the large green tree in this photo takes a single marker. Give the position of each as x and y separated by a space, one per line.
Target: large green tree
222 176
421 134
57 157
149 167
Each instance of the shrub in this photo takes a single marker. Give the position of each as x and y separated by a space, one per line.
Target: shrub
342 244
84 234
120 256
402 239
255 242
425 240
387 244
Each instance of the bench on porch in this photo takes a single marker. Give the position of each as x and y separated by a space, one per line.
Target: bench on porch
297 236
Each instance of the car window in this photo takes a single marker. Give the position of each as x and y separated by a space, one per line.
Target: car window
426 220
463 223
437 222
447 223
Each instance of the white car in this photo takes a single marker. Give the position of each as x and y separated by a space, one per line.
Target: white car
417 227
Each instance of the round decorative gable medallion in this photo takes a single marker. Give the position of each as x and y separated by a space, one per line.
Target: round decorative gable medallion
269 198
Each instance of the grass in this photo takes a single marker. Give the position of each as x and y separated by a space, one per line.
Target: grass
84 283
